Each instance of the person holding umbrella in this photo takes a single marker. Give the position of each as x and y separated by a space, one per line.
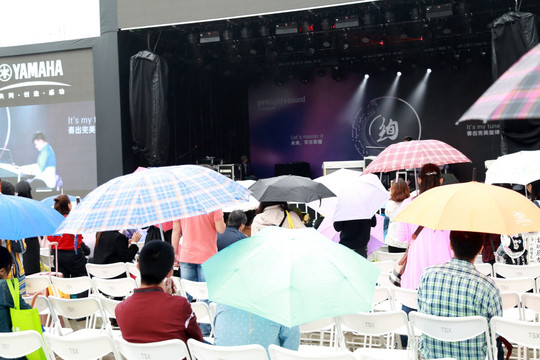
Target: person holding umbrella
31 255
275 213
71 259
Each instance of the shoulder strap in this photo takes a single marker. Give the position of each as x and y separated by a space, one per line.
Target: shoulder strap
12 285
283 220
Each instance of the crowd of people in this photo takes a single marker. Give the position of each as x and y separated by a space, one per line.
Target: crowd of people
439 265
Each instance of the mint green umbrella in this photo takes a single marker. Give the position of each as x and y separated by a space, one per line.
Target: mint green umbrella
291 276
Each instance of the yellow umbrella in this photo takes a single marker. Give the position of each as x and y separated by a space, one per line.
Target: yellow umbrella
473 206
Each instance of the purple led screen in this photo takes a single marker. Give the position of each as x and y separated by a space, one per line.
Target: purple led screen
328 120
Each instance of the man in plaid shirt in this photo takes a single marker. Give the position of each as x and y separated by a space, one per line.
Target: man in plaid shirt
456 289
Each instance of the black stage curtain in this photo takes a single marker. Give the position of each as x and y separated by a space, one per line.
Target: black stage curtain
512 35
148 96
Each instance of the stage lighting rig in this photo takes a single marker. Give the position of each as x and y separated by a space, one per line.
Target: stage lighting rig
346 22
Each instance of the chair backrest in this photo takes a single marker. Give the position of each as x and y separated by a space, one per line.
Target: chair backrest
132 269
76 308
519 286
381 294
386 267
109 306
204 314
279 353
201 351
44 307
37 283
169 349
318 325
374 324
74 348
384 255
74 285
407 297
531 301
523 333
22 343
106 271
179 289
516 271
115 287
198 290
450 329
484 268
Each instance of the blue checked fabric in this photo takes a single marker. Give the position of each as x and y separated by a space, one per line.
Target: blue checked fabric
153 196
457 289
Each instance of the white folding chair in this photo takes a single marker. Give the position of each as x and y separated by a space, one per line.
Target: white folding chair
132 269
519 286
279 353
37 283
43 305
530 305
202 351
450 329
384 255
382 299
407 297
88 308
109 307
197 289
516 271
115 287
169 349
73 286
22 343
204 315
484 268
107 271
511 305
90 348
520 332
379 324
320 331
386 267
179 289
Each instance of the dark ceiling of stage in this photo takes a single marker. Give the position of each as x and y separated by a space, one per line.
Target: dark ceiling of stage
360 37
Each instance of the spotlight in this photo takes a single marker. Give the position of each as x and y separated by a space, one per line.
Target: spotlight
428 70
399 73
345 46
227 35
337 73
366 76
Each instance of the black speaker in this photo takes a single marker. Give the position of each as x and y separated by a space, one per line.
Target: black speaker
293 168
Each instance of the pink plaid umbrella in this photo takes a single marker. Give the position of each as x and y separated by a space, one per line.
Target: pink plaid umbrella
515 95
414 154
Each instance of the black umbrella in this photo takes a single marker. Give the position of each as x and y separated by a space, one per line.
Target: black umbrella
289 188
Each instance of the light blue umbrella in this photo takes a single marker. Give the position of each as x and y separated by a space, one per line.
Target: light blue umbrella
291 276
23 218
49 201
153 196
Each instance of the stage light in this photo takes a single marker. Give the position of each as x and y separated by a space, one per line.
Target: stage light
428 70
286 28
366 76
399 73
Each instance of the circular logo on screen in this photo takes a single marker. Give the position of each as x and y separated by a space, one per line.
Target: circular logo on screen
384 121
5 72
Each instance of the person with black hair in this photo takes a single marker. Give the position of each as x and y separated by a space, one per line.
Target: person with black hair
6 300
70 248
7 188
233 232
274 214
456 289
45 167
114 246
152 313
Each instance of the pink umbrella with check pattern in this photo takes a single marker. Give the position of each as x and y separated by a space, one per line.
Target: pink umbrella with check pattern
414 154
515 95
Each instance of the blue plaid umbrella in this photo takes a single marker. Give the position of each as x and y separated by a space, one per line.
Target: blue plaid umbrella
153 196
22 218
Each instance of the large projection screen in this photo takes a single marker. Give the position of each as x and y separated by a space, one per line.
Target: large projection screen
52 93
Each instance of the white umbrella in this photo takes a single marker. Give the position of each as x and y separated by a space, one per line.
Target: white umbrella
518 168
358 196
252 204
